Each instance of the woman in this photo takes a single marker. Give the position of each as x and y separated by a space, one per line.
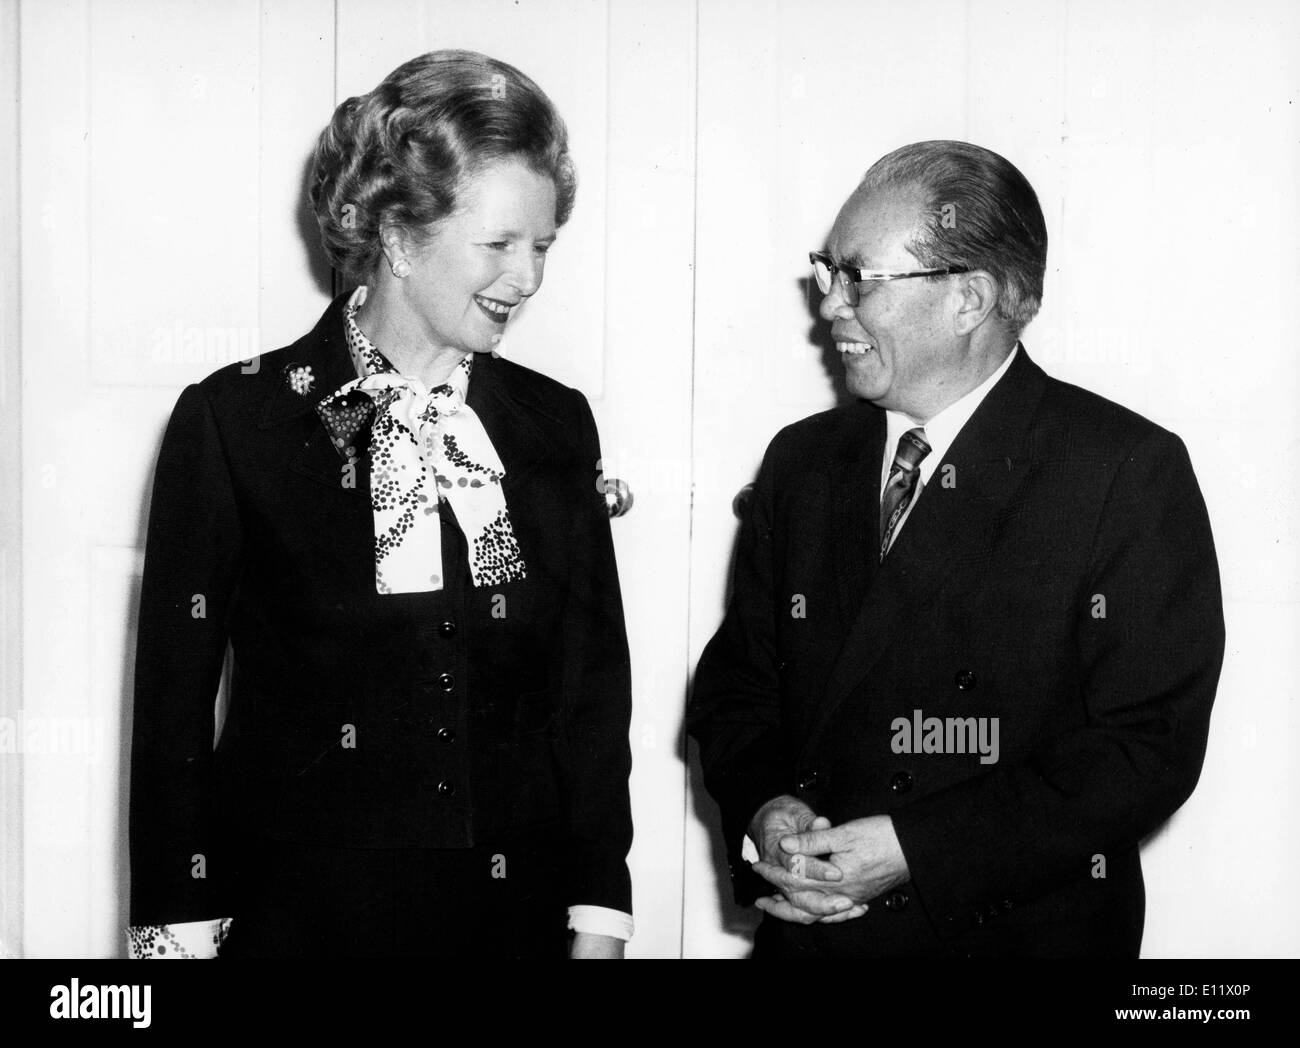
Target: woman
400 536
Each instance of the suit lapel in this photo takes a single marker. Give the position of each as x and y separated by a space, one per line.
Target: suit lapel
854 490
504 402
947 536
317 365
321 361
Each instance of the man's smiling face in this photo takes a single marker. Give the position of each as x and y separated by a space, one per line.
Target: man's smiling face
898 344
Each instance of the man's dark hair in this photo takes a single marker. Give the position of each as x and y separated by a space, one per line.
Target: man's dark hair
979 212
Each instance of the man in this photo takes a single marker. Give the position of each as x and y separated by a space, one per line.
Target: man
976 626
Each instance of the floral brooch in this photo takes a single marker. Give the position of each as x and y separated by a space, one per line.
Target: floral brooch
301 379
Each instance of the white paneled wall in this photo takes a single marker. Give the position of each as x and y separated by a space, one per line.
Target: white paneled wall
164 232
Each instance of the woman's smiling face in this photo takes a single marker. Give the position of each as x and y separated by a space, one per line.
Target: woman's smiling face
485 258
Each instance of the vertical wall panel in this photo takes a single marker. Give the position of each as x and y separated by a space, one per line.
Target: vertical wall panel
104 737
737 346
646 422
55 220
172 149
295 90
1182 222
11 841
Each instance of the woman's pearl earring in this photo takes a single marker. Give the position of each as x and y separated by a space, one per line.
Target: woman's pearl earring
401 268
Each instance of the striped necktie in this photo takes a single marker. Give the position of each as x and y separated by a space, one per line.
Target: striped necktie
904 475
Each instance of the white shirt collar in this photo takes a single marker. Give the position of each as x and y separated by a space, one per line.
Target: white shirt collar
943 428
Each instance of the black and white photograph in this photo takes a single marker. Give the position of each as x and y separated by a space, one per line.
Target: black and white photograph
494 480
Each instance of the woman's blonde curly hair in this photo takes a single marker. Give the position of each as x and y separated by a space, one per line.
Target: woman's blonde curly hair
402 154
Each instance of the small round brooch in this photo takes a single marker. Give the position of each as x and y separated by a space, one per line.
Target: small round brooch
301 380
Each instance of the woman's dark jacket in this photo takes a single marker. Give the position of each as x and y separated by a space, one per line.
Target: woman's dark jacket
444 719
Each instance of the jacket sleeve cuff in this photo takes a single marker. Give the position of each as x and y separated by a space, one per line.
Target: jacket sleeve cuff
601 920
194 940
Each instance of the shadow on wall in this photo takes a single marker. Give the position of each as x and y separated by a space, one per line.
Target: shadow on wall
323 276
735 919
122 844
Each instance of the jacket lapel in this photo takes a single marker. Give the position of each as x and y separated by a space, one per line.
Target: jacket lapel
510 412
855 486
316 366
948 535
323 352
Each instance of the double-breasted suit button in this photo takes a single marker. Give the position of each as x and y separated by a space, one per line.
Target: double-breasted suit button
965 680
446 788
896 900
901 782
446 681
447 630
446 735
808 779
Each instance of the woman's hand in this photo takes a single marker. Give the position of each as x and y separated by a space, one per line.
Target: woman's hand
589 946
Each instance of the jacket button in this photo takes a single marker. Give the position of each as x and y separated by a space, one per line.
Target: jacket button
446 788
896 901
447 629
446 681
979 919
965 680
447 734
901 782
808 779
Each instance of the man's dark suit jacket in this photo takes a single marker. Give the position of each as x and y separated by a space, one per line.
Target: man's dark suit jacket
1060 577
474 714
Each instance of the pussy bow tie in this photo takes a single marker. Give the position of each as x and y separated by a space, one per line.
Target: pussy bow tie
425 445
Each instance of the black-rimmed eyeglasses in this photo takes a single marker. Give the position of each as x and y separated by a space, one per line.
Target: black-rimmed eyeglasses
827 271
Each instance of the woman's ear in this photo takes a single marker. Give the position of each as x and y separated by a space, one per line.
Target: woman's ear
396 245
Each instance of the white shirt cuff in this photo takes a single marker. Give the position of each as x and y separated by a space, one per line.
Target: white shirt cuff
195 940
601 920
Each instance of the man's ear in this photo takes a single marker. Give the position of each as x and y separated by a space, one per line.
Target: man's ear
977 298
